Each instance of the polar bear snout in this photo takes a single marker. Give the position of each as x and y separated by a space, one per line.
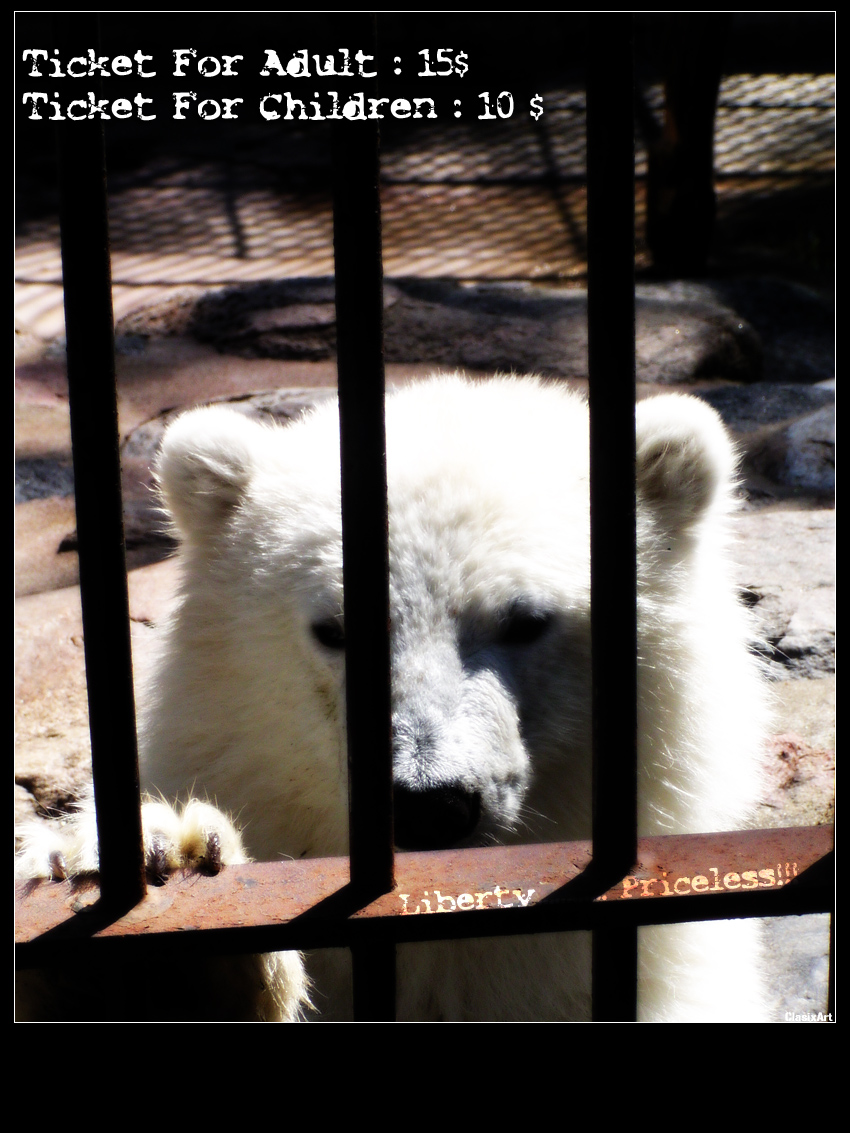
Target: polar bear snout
434 818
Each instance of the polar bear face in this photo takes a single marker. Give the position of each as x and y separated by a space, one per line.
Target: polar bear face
489 599
489 596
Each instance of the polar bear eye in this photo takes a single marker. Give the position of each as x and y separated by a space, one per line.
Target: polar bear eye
522 626
329 633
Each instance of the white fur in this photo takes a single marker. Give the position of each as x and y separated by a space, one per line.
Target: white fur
488 496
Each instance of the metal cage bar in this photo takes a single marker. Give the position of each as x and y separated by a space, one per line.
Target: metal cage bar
270 906
92 395
360 377
613 548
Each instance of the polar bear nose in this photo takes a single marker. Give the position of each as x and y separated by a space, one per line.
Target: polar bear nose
434 818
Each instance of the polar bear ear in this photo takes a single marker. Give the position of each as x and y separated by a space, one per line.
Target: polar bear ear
685 460
204 467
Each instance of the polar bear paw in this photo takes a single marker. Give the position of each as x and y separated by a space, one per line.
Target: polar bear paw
273 987
195 836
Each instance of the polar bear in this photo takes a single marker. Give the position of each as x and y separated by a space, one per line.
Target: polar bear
489 593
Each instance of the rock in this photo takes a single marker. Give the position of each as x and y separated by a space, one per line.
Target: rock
787 571
684 330
38 478
800 947
518 328
806 708
798 456
287 319
52 745
40 528
522 328
787 436
795 325
52 752
801 782
747 408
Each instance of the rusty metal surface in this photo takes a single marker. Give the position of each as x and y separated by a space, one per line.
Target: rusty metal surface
492 891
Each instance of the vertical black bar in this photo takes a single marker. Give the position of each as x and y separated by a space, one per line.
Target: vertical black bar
97 477
359 315
374 978
611 347
680 201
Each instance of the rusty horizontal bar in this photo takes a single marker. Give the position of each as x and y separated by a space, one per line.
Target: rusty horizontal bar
496 891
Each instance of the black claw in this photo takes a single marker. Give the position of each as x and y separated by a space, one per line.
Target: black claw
157 863
212 859
58 866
